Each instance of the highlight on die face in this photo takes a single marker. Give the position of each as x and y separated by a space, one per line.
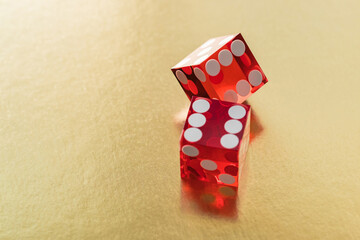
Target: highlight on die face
223 68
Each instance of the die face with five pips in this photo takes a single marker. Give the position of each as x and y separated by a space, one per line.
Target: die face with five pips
223 68
214 141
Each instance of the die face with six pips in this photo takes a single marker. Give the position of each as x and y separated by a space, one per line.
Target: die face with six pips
222 68
214 141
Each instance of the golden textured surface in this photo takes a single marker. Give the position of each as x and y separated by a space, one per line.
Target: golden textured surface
89 149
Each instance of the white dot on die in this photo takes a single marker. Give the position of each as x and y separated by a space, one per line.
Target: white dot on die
207 43
226 178
190 150
200 74
229 141
201 59
192 134
233 126
212 67
225 40
201 106
204 51
197 120
230 96
237 48
181 76
255 77
237 112
225 57
243 88
208 165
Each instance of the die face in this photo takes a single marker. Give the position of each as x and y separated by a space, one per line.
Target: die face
228 71
203 52
212 140
215 124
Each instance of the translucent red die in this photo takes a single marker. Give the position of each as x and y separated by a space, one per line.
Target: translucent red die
222 68
214 141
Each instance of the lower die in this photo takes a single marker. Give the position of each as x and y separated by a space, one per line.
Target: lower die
214 141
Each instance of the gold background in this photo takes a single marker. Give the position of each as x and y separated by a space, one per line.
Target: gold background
88 146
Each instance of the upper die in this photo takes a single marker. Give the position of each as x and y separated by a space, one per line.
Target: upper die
214 124
222 68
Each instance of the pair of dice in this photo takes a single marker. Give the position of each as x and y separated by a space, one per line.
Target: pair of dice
217 77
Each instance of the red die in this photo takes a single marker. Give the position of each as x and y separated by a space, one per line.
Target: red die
214 141
222 68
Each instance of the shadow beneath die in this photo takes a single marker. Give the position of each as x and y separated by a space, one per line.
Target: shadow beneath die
256 127
212 199
180 117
